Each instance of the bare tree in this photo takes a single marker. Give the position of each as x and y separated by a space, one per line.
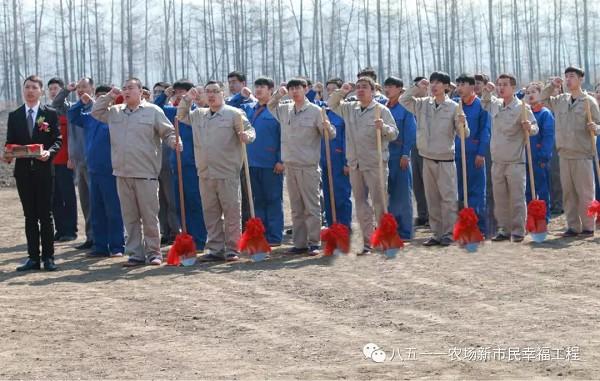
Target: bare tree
17 75
586 50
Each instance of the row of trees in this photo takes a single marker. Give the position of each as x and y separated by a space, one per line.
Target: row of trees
168 39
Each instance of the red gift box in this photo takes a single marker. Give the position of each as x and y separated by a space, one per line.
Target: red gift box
17 151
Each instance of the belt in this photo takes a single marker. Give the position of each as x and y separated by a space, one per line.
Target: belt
439 161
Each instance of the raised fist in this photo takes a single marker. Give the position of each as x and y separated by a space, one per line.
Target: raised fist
557 82
346 87
246 92
114 92
85 98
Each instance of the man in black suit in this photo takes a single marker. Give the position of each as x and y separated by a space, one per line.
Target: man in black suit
33 123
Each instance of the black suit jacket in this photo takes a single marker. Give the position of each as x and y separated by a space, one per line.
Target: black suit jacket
17 134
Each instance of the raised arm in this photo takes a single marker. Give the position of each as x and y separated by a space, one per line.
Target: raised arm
100 110
59 102
184 108
546 96
486 96
273 104
411 97
76 114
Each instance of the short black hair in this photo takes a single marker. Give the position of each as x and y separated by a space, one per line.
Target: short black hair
393 81
264 81
295 82
214 82
136 80
58 81
89 79
482 78
335 81
440 76
162 84
36 79
572 69
308 81
102 89
418 79
367 72
145 88
510 77
466 78
183 84
237 74
368 80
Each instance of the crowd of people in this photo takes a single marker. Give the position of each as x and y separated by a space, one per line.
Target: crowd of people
118 146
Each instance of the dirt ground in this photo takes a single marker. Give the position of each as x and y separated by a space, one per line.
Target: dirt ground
435 313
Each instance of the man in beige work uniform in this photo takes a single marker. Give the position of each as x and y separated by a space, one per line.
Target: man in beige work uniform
137 129
507 146
438 123
361 150
218 131
301 129
575 148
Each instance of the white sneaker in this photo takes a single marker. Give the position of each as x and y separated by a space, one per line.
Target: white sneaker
116 255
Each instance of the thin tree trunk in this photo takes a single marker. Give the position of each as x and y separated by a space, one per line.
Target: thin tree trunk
367 35
379 43
586 43
16 63
146 43
491 41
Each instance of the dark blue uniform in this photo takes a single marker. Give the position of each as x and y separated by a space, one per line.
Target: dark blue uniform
341 182
263 154
106 218
541 153
477 144
399 180
189 174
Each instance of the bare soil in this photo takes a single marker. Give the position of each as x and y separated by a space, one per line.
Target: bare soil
301 317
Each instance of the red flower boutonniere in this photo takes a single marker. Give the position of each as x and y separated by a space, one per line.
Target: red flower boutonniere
43 126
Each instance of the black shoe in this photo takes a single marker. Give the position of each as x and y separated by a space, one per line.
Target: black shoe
86 245
500 237
29 265
297 250
431 242
49 265
365 251
446 241
570 233
517 238
421 222
313 251
587 233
